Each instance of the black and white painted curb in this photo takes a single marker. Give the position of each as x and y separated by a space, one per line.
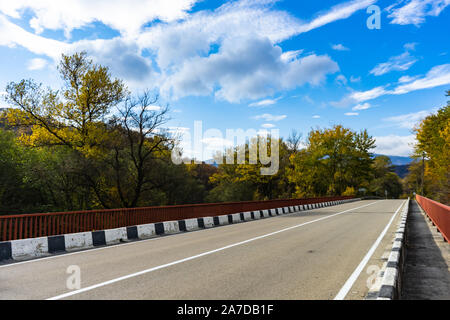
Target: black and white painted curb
26 249
391 281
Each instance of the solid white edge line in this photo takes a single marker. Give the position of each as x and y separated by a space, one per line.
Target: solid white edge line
71 293
350 281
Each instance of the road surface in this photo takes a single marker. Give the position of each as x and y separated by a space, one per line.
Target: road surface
307 255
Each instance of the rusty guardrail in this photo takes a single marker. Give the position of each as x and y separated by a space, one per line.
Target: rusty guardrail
438 213
13 227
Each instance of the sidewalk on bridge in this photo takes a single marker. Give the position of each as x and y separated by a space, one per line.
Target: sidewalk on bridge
427 267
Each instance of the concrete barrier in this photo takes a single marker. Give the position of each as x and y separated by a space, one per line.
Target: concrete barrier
76 241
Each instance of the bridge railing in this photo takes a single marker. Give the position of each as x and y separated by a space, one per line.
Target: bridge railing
438 213
13 227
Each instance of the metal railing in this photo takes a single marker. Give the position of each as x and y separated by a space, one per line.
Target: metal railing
438 213
13 227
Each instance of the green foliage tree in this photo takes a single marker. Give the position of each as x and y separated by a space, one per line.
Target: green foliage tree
244 181
433 143
334 160
385 182
109 142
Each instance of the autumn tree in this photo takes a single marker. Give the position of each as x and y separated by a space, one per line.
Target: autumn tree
73 116
244 181
433 144
112 140
385 182
334 160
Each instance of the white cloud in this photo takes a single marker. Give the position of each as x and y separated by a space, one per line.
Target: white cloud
316 116
290 55
360 96
263 103
121 55
351 114
409 120
437 76
338 12
415 11
398 63
246 68
268 125
270 117
125 16
339 47
12 35
176 42
395 145
406 79
180 42
363 106
355 79
37 64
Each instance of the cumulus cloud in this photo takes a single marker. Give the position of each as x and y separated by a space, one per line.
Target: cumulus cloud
395 145
415 11
268 125
246 68
122 56
350 114
201 32
183 48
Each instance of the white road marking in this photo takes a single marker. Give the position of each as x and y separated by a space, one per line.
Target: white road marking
102 284
349 283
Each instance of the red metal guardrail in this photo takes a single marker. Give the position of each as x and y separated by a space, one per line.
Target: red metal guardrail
439 213
13 227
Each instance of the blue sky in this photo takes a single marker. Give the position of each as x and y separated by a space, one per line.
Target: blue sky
250 64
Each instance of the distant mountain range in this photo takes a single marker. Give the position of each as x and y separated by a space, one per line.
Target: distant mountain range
397 160
400 164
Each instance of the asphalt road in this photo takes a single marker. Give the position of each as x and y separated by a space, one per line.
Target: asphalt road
306 255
